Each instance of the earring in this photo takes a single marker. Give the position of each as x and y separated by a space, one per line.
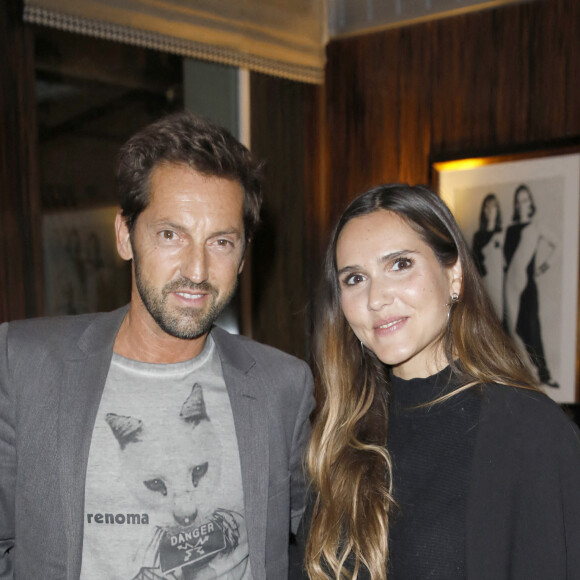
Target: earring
454 298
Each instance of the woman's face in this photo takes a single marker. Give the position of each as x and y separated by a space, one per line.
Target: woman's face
524 204
395 293
490 210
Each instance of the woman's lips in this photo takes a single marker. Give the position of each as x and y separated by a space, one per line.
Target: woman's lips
382 327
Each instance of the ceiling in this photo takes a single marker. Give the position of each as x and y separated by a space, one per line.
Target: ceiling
285 38
351 17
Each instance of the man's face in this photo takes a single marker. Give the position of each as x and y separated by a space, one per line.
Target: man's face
187 248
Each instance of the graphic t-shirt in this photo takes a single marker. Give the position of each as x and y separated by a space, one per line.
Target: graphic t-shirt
163 492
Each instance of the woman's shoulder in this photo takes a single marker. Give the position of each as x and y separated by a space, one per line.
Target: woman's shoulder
527 416
524 489
513 402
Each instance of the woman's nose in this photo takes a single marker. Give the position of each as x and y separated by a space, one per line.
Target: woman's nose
380 294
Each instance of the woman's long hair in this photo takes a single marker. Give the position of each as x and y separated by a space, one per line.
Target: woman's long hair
349 465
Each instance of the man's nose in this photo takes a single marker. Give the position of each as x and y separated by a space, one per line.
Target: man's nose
194 264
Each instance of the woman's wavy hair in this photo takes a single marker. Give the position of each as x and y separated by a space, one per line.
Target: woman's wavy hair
348 462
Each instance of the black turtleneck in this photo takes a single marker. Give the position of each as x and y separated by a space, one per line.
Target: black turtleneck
432 451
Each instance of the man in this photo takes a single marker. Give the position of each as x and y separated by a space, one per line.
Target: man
146 442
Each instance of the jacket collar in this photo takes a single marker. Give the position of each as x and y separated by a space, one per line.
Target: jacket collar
231 350
99 336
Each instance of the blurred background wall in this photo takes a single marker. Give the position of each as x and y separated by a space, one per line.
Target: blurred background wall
390 102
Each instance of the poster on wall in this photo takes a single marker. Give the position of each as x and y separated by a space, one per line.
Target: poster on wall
520 216
82 269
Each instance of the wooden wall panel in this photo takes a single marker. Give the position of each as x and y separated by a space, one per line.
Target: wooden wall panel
20 255
280 111
392 102
487 81
415 97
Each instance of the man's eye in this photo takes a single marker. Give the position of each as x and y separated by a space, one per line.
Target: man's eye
224 243
402 264
168 235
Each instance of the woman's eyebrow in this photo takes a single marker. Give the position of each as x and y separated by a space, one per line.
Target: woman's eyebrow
383 259
392 255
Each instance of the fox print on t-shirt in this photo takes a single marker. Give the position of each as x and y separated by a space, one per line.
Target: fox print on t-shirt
164 497
190 530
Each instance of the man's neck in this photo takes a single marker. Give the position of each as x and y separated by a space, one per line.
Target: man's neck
137 339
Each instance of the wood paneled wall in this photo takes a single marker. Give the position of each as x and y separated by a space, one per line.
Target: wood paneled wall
283 127
393 101
493 80
20 251
282 132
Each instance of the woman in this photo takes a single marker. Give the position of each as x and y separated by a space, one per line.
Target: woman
525 240
433 454
488 250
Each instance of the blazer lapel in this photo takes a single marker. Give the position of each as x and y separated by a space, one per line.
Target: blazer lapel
83 381
246 392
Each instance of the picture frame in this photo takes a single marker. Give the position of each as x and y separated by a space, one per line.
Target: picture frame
520 215
82 270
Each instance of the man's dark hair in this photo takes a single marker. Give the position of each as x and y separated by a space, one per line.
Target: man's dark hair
187 139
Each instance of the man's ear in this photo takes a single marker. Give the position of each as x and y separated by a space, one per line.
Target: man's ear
123 236
243 261
244 255
456 278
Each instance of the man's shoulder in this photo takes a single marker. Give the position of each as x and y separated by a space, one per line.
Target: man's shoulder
34 325
256 349
266 362
53 328
284 380
52 331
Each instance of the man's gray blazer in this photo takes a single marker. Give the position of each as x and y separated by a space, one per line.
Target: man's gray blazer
52 374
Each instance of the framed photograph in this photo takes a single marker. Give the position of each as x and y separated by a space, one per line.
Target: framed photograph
83 271
520 215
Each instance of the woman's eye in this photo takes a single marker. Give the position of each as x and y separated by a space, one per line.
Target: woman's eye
353 279
402 264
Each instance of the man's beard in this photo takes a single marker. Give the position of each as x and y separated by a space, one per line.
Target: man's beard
180 322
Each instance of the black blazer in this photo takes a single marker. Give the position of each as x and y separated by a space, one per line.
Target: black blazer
523 502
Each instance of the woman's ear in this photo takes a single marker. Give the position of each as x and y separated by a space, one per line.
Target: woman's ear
124 247
455 274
